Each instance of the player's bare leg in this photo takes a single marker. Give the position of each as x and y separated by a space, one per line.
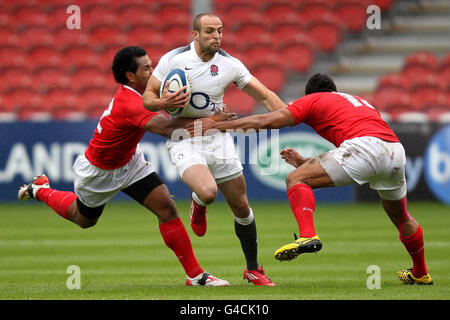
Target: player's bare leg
74 215
62 202
405 224
176 238
300 183
235 193
161 204
310 173
411 235
199 178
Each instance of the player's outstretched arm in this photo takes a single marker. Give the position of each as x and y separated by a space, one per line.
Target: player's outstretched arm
153 102
263 95
273 120
163 126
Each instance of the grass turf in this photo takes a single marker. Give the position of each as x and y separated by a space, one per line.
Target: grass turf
124 257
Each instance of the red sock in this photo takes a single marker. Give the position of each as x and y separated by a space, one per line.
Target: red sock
59 201
303 204
415 246
176 238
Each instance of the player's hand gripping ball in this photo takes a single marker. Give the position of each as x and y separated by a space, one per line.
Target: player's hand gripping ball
177 79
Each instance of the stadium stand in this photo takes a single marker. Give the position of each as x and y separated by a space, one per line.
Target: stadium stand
404 67
420 81
400 68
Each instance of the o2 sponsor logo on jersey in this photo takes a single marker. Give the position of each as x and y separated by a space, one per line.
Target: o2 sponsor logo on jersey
201 101
266 163
437 164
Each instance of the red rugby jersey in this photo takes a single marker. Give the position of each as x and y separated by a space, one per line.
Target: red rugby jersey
338 116
119 130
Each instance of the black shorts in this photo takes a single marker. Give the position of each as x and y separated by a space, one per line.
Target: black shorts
88 212
142 188
138 191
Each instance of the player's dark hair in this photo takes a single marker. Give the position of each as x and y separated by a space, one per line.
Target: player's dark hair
125 60
196 23
320 83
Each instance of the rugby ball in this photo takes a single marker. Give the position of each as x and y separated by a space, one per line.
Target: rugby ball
177 79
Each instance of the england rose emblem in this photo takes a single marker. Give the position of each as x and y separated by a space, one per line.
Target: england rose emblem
214 70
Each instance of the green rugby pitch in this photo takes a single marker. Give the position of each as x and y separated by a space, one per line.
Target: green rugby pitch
124 256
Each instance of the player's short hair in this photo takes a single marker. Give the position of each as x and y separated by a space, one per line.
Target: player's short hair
124 61
196 25
320 83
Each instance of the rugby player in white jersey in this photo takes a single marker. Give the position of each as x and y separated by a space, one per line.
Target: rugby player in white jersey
214 164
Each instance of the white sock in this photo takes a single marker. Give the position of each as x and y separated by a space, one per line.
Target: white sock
197 200
245 221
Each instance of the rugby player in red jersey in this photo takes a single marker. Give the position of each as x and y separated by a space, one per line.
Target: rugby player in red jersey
113 162
368 151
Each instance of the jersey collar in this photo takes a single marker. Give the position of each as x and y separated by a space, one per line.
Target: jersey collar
194 53
130 88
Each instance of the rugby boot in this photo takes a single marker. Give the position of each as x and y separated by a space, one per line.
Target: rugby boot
207 280
406 276
29 191
258 277
298 246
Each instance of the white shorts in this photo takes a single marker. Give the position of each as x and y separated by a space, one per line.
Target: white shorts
217 152
368 160
94 186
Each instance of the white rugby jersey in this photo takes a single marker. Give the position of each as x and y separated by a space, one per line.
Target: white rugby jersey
208 79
